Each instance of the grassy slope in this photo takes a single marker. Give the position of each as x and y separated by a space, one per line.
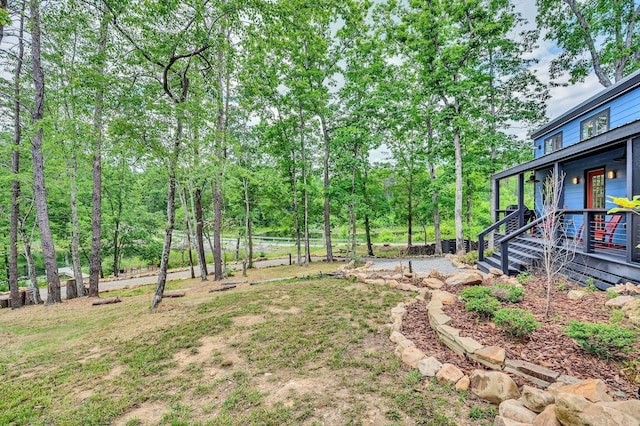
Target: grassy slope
292 352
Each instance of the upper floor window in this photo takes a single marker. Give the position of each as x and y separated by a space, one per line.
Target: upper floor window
594 125
553 143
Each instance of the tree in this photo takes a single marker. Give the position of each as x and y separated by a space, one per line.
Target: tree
598 35
40 193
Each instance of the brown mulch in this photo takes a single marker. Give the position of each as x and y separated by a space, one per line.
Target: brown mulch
548 346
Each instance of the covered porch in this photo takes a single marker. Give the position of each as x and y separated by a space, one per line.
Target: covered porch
605 245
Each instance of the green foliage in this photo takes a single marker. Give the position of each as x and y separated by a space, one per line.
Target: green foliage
475 292
471 258
524 277
604 340
515 321
590 284
484 307
507 293
4 286
611 294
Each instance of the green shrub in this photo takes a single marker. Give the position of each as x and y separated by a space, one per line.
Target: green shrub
524 277
484 307
470 258
475 292
507 293
604 340
517 322
4 286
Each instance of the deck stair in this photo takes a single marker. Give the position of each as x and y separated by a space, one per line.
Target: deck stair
526 251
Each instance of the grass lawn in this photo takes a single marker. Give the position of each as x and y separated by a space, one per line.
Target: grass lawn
304 351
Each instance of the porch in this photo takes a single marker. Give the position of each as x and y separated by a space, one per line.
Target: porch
601 247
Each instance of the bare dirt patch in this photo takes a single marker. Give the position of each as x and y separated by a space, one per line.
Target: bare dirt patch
248 320
292 310
148 413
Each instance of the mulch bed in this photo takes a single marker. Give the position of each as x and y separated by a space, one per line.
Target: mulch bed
548 346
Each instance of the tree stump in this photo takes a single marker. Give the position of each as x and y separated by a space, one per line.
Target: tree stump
106 301
4 301
174 294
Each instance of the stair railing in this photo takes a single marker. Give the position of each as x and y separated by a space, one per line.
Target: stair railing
514 214
504 242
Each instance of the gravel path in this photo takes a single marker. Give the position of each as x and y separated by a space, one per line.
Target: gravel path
418 264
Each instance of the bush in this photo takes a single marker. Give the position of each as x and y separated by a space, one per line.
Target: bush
484 307
604 340
516 322
507 293
524 277
471 258
475 292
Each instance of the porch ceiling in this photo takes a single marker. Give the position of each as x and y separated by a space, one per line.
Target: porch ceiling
572 152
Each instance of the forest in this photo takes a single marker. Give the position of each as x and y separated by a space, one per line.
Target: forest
128 125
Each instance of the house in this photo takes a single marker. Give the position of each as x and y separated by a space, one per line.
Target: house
595 147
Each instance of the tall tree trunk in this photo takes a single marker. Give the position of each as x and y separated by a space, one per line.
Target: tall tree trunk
183 199
26 246
458 196
40 192
325 185
367 226
352 215
217 230
171 218
72 291
434 196
202 259
95 264
305 194
16 300
410 211
296 209
116 247
248 223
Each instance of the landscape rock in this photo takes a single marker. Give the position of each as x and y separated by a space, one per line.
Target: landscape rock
630 407
463 384
434 283
396 337
402 345
619 302
535 373
429 366
632 289
491 356
576 294
449 373
376 281
464 278
444 297
593 390
495 271
572 409
503 421
412 355
493 386
535 399
435 274
515 410
547 417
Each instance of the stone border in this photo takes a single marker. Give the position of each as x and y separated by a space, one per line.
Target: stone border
566 400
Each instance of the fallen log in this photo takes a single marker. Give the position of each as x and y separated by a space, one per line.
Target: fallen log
225 288
106 301
174 294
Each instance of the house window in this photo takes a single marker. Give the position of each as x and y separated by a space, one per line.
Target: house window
553 143
594 125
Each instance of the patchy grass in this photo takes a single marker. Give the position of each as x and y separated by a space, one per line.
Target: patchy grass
305 351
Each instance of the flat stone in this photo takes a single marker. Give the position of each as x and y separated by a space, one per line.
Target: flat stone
493 386
434 304
429 366
572 409
494 355
468 344
619 301
439 319
435 273
402 345
539 375
565 379
503 421
396 337
449 373
400 309
463 383
593 390
464 278
632 288
535 399
407 287
575 294
514 410
433 283
630 407
495 271
443 297
377 281
412 355
547 417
